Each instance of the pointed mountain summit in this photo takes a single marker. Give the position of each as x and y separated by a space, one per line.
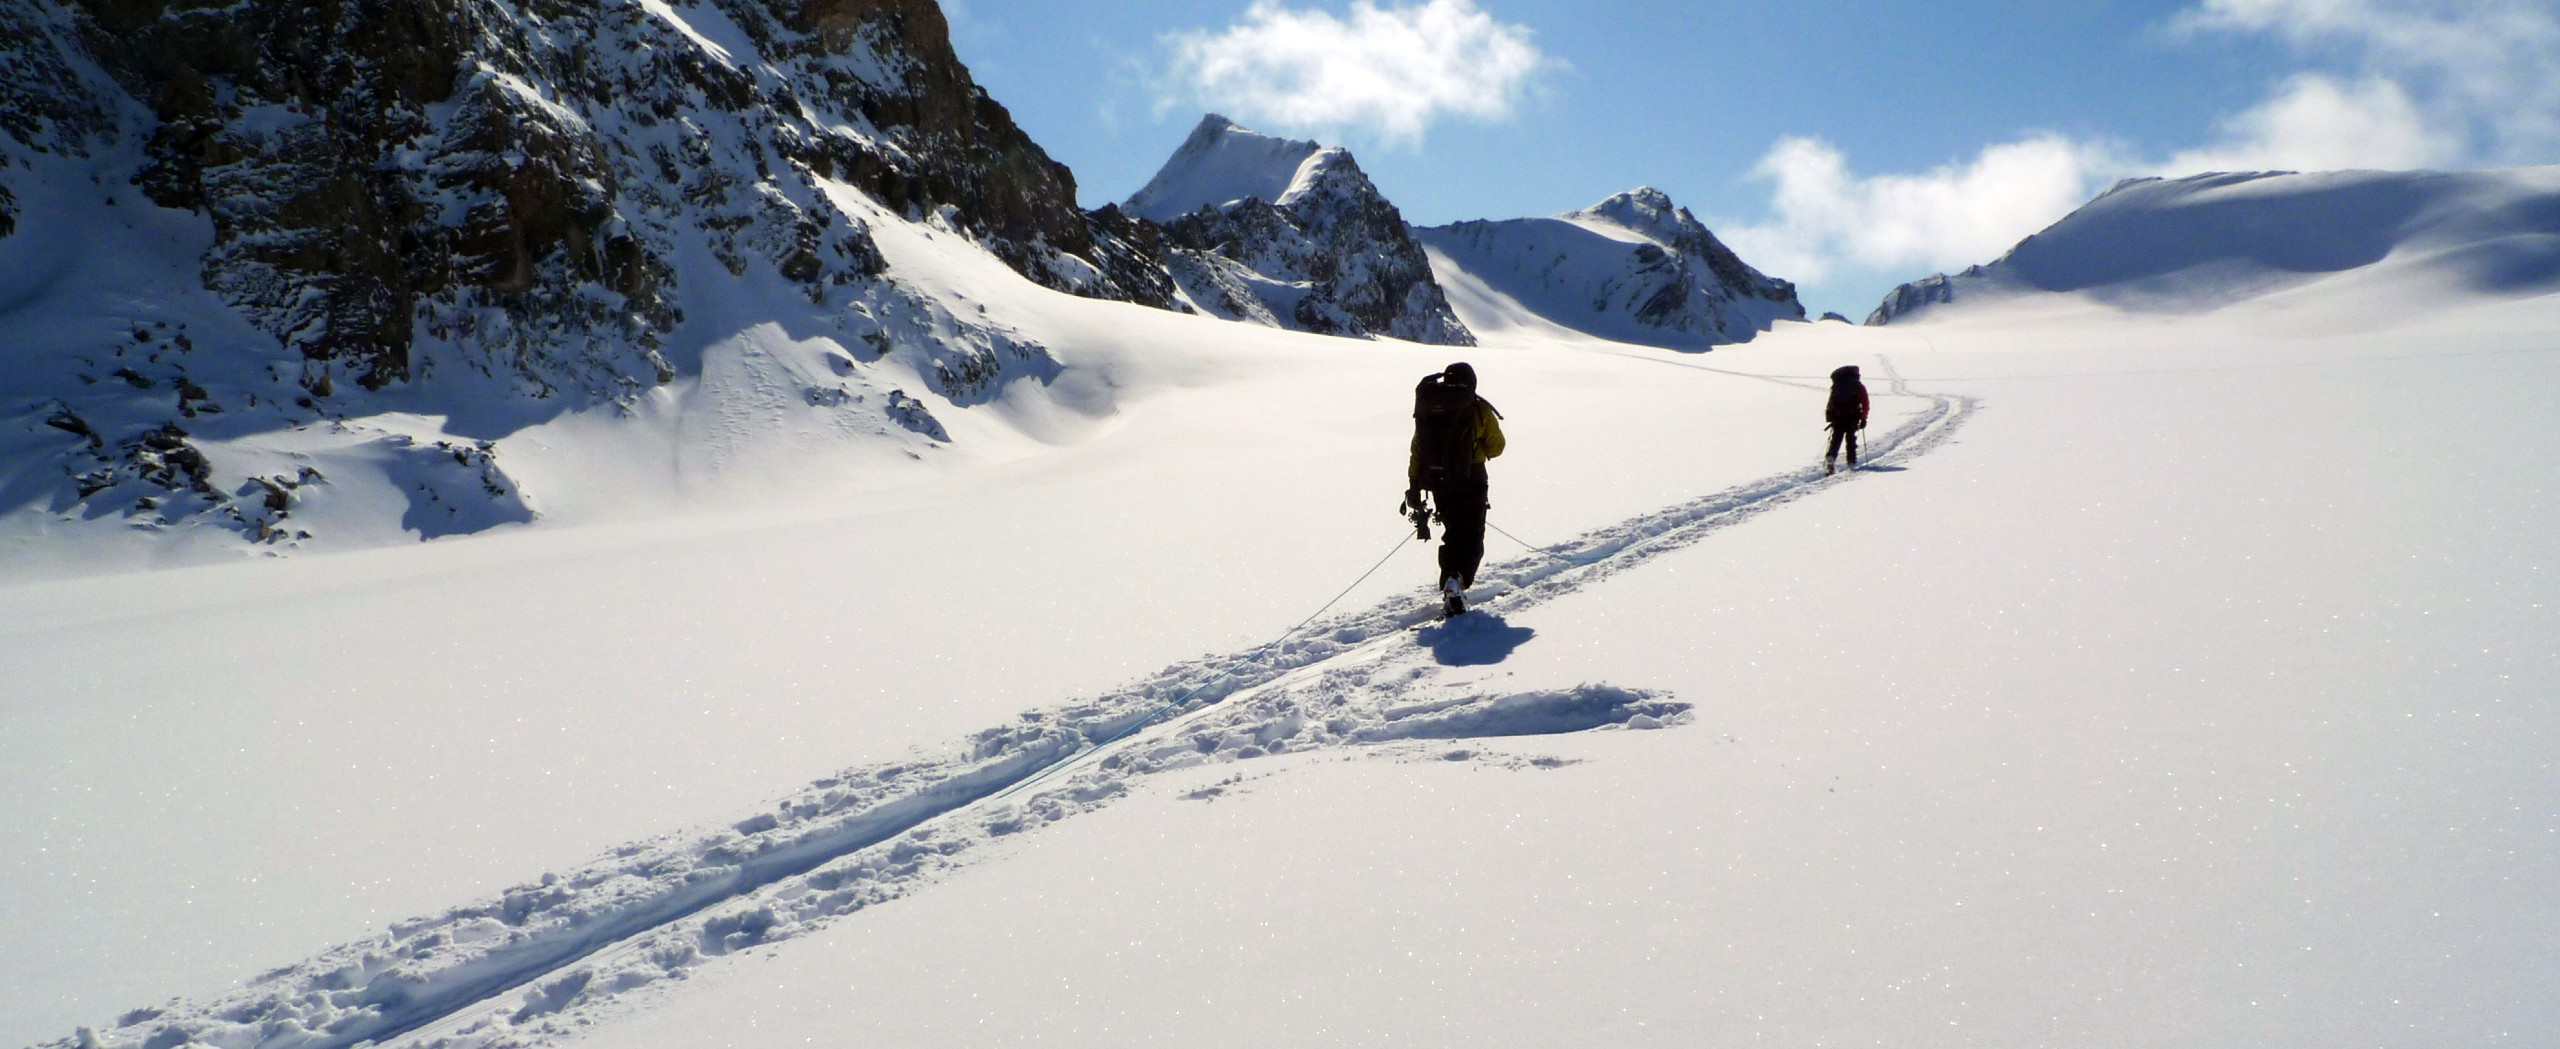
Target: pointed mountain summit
1293 235
1222 164
1634 268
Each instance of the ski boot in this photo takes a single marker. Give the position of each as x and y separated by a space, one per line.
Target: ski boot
1453 600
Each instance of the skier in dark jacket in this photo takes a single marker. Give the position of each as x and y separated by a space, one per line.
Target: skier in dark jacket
1454 432
1846 414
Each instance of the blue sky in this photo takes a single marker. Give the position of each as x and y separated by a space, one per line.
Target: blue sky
1844 144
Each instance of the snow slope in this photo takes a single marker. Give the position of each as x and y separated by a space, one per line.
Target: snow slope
308 290
2205 241
1633 268
2144 711
675 671
2119 702
1222 163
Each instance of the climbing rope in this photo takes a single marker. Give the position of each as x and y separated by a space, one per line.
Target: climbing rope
1560 558
1184 699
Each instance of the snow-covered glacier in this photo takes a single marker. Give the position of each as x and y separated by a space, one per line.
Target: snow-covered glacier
2207 241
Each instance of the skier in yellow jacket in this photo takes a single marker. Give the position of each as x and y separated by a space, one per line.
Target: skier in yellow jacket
1454 432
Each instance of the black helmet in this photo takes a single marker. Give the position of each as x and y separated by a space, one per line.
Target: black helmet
1460 374
1844 373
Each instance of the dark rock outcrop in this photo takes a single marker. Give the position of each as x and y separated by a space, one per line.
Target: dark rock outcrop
495 212
1909 298
518 177
1309 245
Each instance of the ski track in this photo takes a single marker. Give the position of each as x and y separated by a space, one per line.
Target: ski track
585 944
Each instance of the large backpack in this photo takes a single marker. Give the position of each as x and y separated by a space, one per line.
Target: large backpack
1444 431
1842 410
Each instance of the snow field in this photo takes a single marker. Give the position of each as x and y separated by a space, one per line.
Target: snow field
420 725
660 908
2192 693
2188 691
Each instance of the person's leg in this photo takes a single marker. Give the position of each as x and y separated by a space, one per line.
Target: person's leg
1462 515
1852 436
1831 451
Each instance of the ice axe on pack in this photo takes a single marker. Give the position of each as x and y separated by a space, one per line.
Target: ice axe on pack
1417 513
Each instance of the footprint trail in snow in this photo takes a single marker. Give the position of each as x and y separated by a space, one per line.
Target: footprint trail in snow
542 960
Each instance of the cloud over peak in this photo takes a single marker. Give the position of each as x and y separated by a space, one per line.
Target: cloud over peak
1392 71
2467 79
2389 84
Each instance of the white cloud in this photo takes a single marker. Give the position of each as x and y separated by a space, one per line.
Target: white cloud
1392 71
2378 84
2482 76
2314 123
1827 218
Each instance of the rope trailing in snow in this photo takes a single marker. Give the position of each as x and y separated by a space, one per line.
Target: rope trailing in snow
1184 699
1567 561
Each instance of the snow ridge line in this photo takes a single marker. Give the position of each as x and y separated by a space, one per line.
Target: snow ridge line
658 908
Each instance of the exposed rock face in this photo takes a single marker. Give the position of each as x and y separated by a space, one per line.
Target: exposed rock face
47 105
1634 267
1292 234
1910 298
952 144
447 206
379 169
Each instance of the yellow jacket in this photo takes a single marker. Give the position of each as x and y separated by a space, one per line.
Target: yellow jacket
1488 442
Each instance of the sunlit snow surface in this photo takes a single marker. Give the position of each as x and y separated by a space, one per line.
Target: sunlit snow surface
2186 244
1221 164
2169 679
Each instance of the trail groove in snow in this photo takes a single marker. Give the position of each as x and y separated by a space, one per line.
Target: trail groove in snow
582 944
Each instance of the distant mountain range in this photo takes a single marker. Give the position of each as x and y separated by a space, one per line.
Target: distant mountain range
263 275
1292 234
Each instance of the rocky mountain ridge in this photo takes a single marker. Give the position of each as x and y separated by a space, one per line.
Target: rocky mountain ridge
484 210
1291 234
271 263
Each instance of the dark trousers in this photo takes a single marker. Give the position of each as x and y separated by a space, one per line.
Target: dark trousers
1462 508
1839 434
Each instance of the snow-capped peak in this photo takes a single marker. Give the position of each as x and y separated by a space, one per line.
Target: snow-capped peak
1634 267
1643 210
1223 162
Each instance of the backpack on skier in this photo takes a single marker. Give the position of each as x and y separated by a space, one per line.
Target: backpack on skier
1847 408
1444 431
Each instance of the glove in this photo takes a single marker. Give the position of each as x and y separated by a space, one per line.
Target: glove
1413 498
